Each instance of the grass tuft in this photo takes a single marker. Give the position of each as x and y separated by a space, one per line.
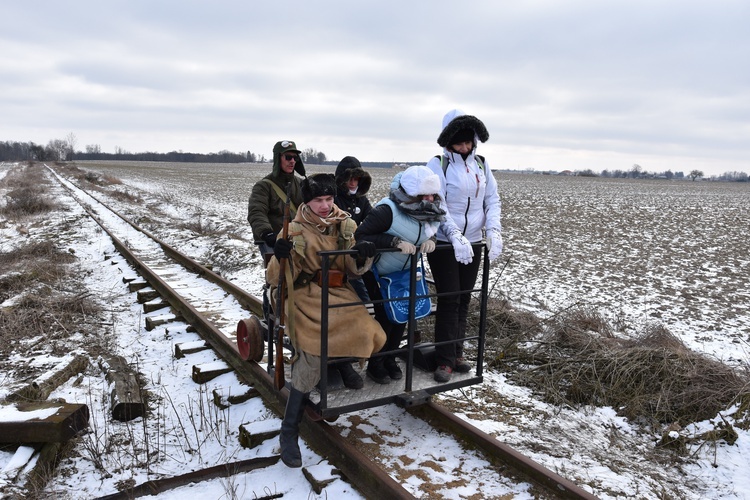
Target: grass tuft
575 359
27 195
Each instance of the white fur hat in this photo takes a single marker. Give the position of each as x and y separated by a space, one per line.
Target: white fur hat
418 180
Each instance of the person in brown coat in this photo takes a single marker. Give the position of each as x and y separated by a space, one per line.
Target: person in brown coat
320 225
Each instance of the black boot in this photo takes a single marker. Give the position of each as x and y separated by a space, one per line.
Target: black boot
377 372
295 409
349 375
391 366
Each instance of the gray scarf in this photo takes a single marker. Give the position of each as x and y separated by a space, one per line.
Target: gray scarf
422 210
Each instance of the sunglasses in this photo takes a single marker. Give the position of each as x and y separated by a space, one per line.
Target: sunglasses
289 157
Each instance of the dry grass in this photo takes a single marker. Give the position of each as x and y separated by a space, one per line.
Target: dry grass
32 265
38 278
125 195
94 178
97 181
202 227
27 192
574 358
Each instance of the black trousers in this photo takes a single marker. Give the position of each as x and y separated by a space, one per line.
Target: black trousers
452 310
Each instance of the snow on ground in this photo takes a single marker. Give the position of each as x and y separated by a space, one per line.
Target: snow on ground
186 432
680 257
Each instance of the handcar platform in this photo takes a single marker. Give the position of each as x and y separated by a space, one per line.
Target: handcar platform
342 400
415 358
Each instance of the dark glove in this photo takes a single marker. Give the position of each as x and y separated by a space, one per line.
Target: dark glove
365 248
282 249
269 238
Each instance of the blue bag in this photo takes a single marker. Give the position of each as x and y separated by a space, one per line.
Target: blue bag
396 285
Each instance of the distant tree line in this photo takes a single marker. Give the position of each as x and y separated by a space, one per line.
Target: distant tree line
65 150
637 172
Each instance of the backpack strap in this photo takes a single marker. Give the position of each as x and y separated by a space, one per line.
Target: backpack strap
346 233
444 163
298 245
295 235
281 194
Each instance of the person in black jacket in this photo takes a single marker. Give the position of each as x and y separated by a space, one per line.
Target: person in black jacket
352 185
265 208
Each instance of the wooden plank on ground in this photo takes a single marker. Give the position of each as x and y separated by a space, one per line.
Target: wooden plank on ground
42 422
136 285
154 305
223 400
208 371
41 388
41 473
185 348
145 295
125 391
154 321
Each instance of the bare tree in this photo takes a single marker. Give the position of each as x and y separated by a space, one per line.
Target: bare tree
38 152
694 174
57 149
71 141
635 171
312 156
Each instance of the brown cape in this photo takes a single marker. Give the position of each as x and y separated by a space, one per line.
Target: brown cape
351 330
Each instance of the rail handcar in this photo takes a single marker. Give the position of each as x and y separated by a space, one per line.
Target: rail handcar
415 355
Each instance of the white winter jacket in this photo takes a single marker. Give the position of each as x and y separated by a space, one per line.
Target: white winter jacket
470 193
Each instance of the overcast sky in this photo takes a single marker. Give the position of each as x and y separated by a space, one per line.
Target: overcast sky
559 84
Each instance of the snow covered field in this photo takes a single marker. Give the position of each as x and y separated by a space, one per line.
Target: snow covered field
676 252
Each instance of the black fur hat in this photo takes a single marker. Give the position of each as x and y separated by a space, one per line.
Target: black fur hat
348 168
463 128
316 185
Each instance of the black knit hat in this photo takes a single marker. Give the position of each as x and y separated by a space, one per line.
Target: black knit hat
316 185
463 128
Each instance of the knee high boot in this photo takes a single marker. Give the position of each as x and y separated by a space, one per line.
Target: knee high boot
295 409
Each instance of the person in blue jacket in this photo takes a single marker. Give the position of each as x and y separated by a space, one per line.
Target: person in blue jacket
408 219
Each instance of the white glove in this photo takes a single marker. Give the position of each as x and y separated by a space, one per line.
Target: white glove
406 247
494 243
428 246
462 248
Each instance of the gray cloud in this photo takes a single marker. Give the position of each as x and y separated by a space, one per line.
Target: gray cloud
579 84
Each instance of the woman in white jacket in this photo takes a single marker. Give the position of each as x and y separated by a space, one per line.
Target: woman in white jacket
472 206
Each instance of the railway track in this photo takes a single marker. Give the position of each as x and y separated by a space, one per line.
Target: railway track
213 306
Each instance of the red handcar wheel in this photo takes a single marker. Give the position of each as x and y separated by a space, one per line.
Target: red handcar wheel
249 339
